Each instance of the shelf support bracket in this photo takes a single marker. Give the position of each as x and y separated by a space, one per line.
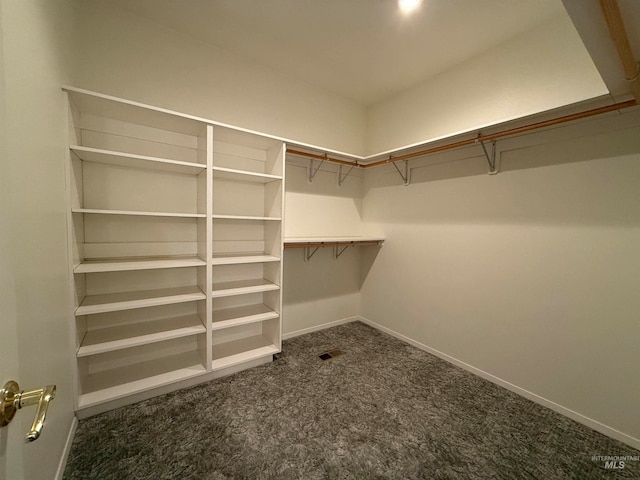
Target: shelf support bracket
405 175
307 255
341 179
337 251
491 159
312 172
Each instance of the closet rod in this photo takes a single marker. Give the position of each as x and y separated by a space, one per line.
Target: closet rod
480 138
323 157
509 132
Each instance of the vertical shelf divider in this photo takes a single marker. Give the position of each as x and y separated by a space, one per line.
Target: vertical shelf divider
208 151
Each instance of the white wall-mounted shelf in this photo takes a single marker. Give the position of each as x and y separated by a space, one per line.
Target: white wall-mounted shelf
246 217
94 266
120 382
105 340
114 302
243 287
111 157
332 240
243 350
237 259
233 317
136 213
244 175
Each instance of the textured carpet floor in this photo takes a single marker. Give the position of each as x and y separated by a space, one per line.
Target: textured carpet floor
382 410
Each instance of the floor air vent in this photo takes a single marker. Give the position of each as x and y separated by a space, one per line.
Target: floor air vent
330 354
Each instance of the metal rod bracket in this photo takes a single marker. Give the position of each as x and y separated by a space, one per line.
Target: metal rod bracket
307 255
341 179
337 251
491 159
405 175
312 172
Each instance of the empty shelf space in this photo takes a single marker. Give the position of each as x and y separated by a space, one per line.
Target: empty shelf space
244 217
239 351
137 213
241 287
124 336
234 259
243 175
232 317
113 302
94 266
124 381
109 157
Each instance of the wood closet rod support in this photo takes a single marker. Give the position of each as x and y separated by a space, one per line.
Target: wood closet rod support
481 138
509 132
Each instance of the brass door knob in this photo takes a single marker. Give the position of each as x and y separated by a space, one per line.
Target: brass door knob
13 399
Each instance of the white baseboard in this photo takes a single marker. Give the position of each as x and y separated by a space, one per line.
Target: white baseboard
67 449
315 328
589 422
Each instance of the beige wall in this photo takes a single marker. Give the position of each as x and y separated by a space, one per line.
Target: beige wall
124 55
324 289
539 70
36 43
529 277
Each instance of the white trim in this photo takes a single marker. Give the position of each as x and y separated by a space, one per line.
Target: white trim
323 326
67 448
589 422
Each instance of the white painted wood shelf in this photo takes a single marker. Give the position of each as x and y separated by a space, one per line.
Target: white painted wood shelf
233 317
333 240
243 175
237 259
110 339
114 302
242 287
97 211
243 350
110 157
124 381
95 266
245 217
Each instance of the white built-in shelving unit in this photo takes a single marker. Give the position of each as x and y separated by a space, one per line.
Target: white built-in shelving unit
175 242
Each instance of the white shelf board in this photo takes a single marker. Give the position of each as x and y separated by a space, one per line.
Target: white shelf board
232 317
243 175
110 157
94 266
244 217
124 381
138 213
241 287
132 335
240 351
332 239
235 259
114 302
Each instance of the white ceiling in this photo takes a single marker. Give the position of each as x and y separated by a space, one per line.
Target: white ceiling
365 50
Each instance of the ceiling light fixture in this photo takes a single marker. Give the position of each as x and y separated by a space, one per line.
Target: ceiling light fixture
408 5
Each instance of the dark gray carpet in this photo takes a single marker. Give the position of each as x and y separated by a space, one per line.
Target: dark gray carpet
382 410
